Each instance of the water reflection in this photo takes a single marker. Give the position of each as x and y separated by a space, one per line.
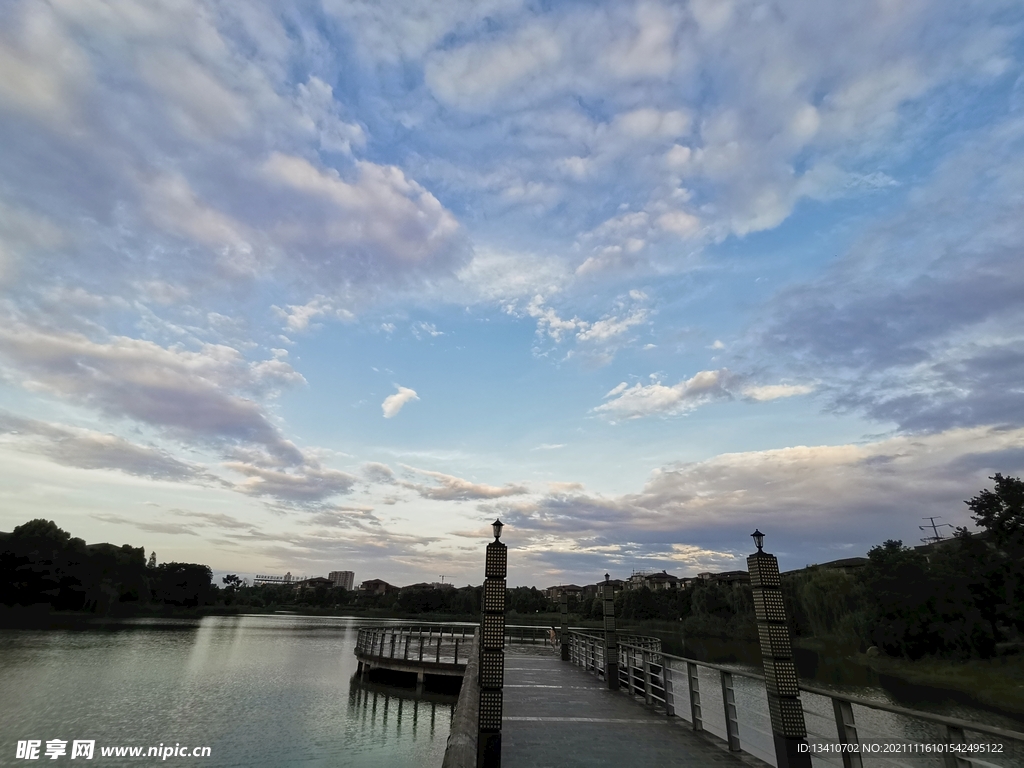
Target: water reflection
382 708
259 690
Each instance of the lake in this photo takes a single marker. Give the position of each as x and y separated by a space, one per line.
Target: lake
262 690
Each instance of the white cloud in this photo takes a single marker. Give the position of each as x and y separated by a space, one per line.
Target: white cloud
393 403
410 28
649 123
381 210
657 399
476 74
452 488
610 328
44 70
422 328
299 317
499 275
776 391
318 105
679 223
173 206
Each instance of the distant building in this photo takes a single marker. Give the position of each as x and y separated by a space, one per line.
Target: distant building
377 587
422 586
653 581
344 579
849 565
313 583
731 577
287 579
555 593
662 580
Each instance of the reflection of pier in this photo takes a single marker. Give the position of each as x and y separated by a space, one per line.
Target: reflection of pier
382 706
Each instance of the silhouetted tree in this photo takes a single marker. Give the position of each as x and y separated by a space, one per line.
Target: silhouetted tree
184 584
1000 513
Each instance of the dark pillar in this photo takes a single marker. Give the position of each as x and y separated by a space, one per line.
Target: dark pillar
492 654
563 606
784 705
611 646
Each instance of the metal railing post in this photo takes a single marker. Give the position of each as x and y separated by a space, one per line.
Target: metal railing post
693 681
732 725
954 735
648 698
670 693
847 731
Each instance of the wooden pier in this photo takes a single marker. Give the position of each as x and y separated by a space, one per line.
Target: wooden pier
557 715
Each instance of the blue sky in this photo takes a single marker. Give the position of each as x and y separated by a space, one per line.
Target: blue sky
321 286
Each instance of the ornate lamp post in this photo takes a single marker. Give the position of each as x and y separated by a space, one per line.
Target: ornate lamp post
784 705
492 652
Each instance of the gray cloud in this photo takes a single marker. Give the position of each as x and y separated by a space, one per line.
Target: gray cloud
307 483
213 519
376 472
88 449
174 529
190 394
822 502
920 324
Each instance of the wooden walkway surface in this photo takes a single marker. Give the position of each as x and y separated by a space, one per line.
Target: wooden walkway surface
558 716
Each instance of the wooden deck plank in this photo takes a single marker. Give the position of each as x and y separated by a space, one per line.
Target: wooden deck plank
558 716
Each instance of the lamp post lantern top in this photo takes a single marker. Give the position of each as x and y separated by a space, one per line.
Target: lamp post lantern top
758 538
497 525
607 576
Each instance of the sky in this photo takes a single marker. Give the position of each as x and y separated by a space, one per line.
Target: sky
324 285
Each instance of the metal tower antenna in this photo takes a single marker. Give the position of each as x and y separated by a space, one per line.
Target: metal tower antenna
936 536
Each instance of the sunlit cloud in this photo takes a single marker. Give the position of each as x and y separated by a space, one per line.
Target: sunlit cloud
394 403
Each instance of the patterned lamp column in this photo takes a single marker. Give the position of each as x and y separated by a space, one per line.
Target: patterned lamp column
784 705
563 638
492 653
611 645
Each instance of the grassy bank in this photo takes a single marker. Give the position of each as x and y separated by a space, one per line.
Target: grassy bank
996 683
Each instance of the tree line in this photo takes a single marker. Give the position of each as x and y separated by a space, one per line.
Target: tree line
42 564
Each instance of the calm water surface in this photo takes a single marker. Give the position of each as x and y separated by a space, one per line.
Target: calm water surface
259 690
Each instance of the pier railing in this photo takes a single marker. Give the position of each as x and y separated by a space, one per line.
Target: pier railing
437 643
843 730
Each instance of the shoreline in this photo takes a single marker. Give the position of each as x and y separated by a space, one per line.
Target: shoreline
996 684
